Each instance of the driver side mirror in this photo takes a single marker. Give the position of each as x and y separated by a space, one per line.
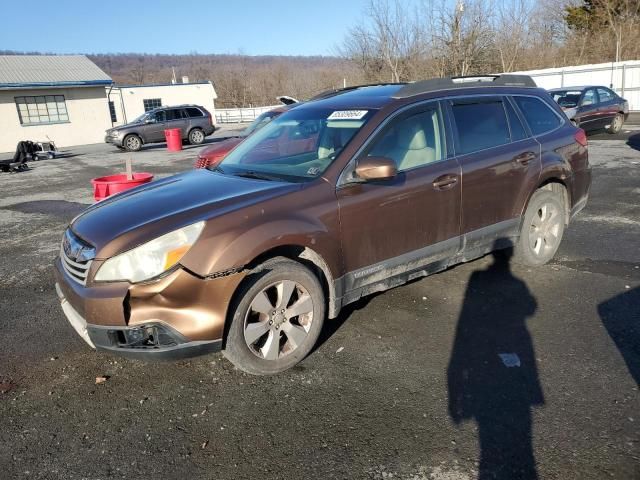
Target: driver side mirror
376 168
150 120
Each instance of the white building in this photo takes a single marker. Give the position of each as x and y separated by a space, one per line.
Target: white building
127 102
57 96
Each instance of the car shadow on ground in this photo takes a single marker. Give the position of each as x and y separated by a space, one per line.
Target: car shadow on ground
492 375
620 316
58 208
634 141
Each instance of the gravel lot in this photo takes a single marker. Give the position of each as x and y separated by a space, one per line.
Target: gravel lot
378 399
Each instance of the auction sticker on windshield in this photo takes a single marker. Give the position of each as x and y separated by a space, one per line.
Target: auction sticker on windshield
347 115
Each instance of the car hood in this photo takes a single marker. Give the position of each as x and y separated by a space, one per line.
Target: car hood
220 148
136 216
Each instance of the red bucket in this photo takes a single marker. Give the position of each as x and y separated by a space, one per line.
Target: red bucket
174 139
104 187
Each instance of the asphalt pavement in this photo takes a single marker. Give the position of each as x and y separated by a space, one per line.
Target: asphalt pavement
486 370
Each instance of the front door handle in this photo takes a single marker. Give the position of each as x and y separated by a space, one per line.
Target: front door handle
525 158
445 182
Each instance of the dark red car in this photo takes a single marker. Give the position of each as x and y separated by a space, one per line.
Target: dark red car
213 154
592 107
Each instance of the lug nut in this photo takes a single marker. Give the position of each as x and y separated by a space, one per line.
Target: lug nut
270 322
282 311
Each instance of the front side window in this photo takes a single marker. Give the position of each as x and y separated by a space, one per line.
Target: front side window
540 117
160 116
413 141
151 103
481 124
42 109
590 98
296 146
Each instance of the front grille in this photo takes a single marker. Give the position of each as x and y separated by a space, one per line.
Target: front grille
76 257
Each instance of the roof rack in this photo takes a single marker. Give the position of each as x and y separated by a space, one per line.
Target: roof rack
337 91
434 84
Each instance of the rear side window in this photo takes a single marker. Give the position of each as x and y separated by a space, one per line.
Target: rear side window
517 130
540 117
481 125
174 114
193 112
605 95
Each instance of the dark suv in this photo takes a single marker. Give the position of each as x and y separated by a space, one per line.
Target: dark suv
395 182
194 121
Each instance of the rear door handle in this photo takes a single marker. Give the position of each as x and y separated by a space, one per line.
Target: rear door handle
525 158
445 182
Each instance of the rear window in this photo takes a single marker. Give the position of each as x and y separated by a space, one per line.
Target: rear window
538 114
193 112
481 125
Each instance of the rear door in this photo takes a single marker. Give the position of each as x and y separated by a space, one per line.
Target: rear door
390 227
177 118
500 161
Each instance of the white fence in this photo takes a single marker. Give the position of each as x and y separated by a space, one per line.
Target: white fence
239 115
623 77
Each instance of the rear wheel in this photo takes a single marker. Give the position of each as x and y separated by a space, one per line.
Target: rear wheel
616 124
277 319
132 143
542 228
196 136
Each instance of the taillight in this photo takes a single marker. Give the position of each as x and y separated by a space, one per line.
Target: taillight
581 137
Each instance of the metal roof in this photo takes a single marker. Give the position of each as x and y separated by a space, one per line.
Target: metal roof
33 71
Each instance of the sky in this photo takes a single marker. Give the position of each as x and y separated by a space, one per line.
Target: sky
252 27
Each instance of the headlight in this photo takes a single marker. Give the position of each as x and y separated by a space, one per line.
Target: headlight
152 258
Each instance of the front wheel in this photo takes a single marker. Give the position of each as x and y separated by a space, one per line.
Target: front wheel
616 124
542 228
196 136
132 143
277 319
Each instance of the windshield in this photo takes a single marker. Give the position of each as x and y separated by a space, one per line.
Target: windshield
141 118
296 146
567 98
258 123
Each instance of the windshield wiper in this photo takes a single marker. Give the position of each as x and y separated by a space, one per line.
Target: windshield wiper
253 174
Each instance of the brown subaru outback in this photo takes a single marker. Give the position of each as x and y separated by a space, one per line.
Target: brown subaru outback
394 182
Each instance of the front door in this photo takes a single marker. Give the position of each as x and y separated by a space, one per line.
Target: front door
499 161
394 226
154 131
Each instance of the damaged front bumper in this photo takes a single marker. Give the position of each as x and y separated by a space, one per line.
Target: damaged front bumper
151 341
178 316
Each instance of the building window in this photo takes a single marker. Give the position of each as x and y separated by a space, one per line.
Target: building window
42 109
112 111
151 103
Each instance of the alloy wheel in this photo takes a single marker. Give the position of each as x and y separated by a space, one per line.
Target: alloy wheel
278 320
545 229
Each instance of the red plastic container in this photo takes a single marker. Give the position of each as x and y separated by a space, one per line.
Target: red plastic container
104 187
174 139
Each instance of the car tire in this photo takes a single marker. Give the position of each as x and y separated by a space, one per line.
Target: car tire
542 228
616 124
196 136
132 143
277 318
